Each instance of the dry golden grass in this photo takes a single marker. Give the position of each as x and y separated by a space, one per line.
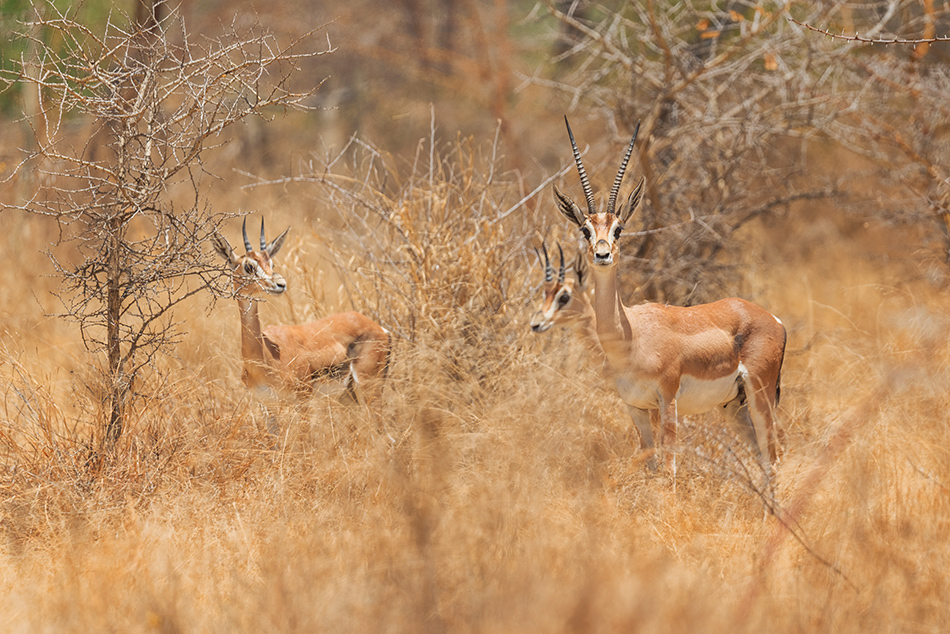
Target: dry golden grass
498 488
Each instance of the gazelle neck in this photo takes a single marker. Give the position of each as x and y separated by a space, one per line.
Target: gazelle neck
252 343
612 322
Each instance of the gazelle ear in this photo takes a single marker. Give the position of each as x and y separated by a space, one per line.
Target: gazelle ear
633 201
223 247
580 271
569 208
276 243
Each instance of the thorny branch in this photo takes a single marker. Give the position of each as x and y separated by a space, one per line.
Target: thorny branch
857 37
725 98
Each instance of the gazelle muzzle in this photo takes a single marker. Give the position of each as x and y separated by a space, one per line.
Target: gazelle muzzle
277 285
541 322
603 253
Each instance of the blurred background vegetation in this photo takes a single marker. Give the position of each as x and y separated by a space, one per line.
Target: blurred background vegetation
746 114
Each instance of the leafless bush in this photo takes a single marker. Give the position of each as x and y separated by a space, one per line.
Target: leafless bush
901 117
727 96
437 255
130 197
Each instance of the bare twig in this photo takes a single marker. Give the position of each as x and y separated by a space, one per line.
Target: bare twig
864 39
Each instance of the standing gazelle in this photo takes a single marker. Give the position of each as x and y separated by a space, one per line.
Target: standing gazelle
348 347
567 304
680 361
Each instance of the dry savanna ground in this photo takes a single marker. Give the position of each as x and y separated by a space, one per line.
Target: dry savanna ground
498 486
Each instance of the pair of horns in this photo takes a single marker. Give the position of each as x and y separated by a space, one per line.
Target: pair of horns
247 243
548 269
588 191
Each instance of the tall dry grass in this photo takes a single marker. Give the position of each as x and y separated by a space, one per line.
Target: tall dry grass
498 487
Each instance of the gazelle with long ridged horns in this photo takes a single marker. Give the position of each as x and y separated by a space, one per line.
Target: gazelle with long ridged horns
348 347
680 361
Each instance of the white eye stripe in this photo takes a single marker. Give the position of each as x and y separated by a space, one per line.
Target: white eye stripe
588 230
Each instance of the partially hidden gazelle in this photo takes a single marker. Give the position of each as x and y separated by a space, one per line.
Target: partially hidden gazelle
678 361
567 304
345 347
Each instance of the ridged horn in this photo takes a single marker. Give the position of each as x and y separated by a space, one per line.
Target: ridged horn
548 269
247 243
585 183
562 273
263 239
612 201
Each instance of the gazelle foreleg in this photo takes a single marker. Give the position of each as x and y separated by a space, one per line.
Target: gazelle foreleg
644 419
668 420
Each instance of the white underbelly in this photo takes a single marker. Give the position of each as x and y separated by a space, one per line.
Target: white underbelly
696 396
639 395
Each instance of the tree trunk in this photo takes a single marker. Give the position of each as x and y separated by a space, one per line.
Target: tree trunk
118 385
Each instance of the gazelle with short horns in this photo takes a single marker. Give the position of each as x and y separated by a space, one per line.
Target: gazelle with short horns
680 361
566 303
348 347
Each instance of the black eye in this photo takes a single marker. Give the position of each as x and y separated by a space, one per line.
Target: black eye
249 267
563 300
586 232
617 232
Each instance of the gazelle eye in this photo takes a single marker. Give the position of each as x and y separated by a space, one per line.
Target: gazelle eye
617 232
249 267
563 299
586 232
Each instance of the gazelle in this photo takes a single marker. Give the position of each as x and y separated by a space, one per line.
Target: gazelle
349 347
679 361
567 304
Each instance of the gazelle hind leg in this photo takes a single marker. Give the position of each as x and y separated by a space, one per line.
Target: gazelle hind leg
737 415
369 364
760 410
353 388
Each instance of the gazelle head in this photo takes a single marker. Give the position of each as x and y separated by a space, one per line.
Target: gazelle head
253 272
601 230
559 307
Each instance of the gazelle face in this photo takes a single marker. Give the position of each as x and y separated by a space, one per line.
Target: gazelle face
602 230
602 233
253 273
556 308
